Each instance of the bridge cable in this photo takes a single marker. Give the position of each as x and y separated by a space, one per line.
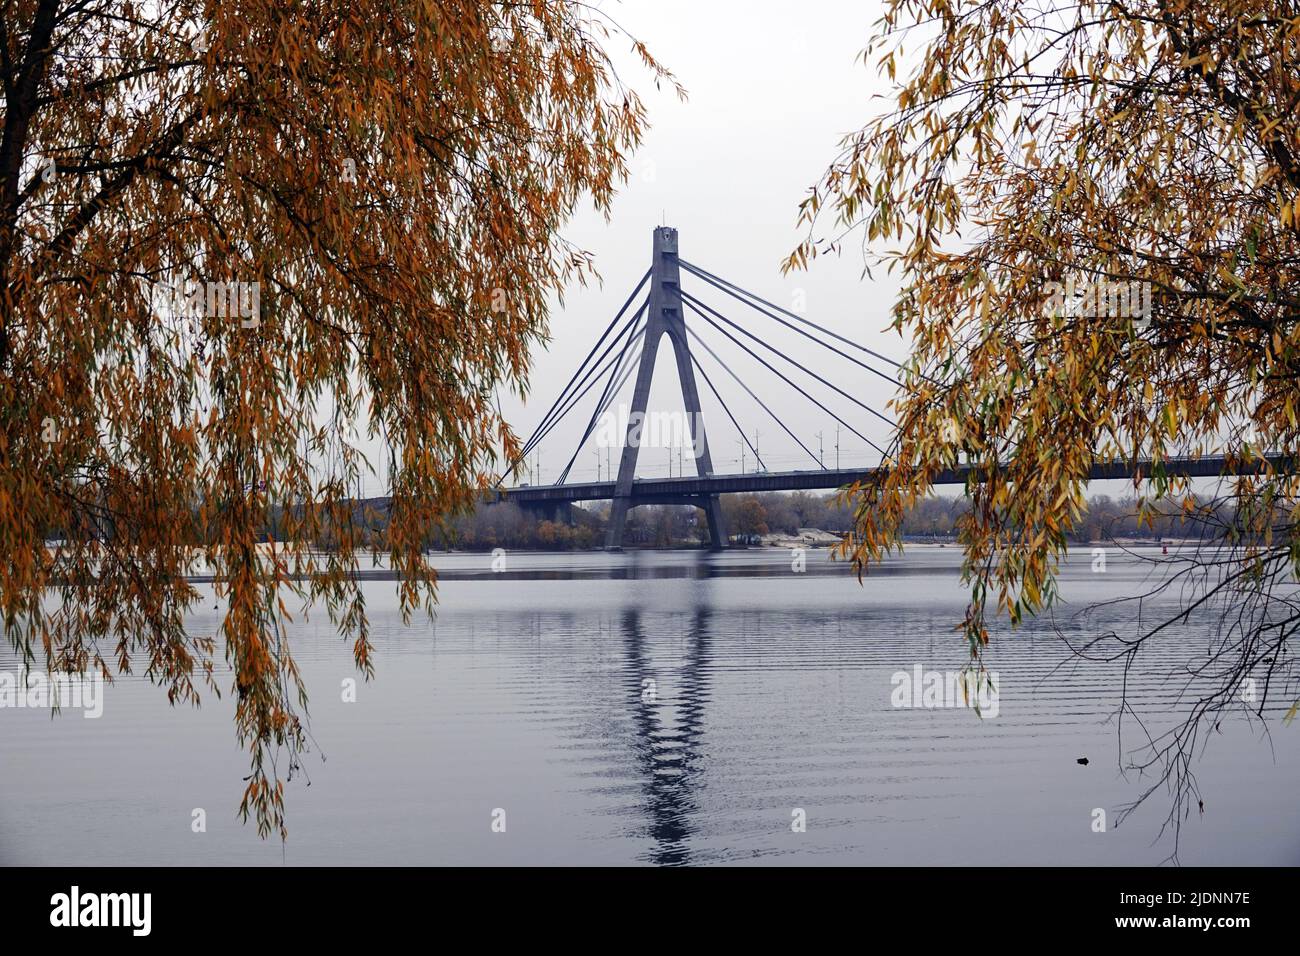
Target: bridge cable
593 375
551 416
633 356
603 403
707 275
560 398
803 368
632 329
601 408
783 378
808 335
708 381
750 392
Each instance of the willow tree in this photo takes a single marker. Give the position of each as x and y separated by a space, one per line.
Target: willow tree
233 238
1092 209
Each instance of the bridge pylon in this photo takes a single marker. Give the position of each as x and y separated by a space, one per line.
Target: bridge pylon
664 317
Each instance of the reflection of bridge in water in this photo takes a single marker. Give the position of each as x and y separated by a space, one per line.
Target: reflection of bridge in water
668 756
634 348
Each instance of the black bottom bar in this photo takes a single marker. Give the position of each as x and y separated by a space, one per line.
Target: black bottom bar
952 907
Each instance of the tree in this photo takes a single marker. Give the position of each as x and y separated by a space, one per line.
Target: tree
779 512
661 519
744 514
1093 210
808 509
230 233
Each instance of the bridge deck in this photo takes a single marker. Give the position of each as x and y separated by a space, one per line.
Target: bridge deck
667 490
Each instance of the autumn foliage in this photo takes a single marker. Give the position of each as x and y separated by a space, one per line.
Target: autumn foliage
1148 147
1032 148
388 181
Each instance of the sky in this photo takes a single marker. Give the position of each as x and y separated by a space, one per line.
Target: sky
772 88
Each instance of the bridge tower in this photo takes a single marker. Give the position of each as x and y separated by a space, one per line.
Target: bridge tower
664 316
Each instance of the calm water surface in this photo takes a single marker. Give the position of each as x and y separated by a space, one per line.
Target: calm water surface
771 693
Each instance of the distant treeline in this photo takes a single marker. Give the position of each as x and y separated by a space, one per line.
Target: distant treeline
747 516
504 525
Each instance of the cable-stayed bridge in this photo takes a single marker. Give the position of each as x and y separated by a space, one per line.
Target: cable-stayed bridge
630 344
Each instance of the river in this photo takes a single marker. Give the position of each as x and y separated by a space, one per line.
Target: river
666 708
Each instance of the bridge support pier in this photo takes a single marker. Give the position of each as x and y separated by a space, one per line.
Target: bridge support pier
712 507
664 317
709 504
558 512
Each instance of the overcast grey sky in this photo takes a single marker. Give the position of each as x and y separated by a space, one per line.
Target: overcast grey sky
773 86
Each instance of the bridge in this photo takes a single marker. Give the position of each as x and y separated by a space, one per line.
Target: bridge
662 315
652 491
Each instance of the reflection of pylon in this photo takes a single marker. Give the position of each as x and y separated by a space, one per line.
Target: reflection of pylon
664 315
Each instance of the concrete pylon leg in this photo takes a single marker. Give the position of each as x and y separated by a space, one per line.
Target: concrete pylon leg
617 521
717 527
